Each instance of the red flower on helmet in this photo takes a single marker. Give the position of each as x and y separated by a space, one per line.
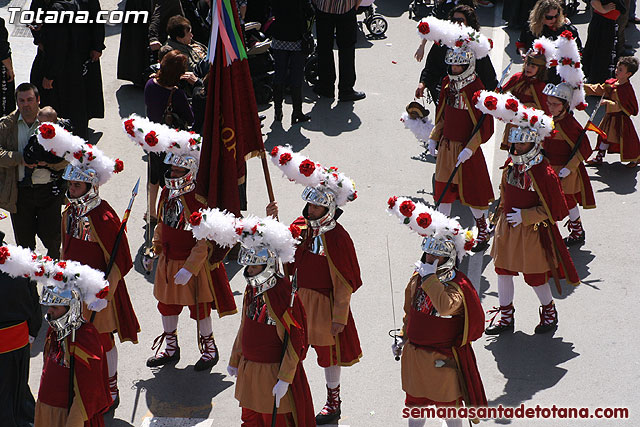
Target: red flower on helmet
62 264
4 254
90 156
103 292
192 142
525 116
539 48
274 151
119 166
469 244
254 229
307 167
459 43
581 106
491 102
534 120
577 65
475 97
151 138
239 231
295 231
285 158
407 207
47 258
423 28
78 155
128 127
512 105
354 196
47 131
392 201
567 35
566 61
424 220
553 63
58 276
40 272
490 43
195 218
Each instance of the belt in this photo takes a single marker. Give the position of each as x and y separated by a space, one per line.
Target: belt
14 337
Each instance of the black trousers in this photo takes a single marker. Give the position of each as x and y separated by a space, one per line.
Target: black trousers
345 29
17 406
289 68
39 213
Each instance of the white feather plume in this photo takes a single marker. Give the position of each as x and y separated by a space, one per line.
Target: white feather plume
421 128
570 68
218 226
156 138
454 35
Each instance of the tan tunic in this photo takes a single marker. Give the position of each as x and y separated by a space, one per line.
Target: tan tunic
255 380
165 290
52 416
609 124
420 377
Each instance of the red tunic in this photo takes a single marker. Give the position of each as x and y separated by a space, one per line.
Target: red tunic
320 273
92 397
558 149
527 90
96 254
456 125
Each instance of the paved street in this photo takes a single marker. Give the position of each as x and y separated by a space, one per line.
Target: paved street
589 361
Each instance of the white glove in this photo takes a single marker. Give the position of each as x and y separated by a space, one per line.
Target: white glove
515 217
464 156
182 276
563 173
232 371
431 145
147 263
279 390
396 347
425 269
97 305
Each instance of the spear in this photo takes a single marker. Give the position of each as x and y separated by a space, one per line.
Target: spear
123 226
576 146
393 306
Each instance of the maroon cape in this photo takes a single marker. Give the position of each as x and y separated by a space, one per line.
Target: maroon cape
558 149
518 85
106 224
90 374
629 146
294 321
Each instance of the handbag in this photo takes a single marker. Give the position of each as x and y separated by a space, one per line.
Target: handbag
170 118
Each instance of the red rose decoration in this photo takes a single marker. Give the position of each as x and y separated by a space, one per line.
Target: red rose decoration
295 231
195 218
423 28
459 43
469 245
307 167
354 196
553 133
128 126
103 293
567 35
78 155
47 258
119 166
392 201
525 116
239 231
285 158
62 264
407 207
90 156
581 106
424 220
512 105
491 102
40 272
566 61
34 257
475 97
58 276
4 254
254 229
192 142
47 131
490 43
539 48
534 120
577 65
274 151
151 138
553 63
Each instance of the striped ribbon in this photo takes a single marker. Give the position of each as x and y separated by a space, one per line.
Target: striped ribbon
224 30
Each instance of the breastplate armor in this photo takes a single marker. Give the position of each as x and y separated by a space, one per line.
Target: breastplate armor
257 310
519 179
316 247
422 304
455 98
173 214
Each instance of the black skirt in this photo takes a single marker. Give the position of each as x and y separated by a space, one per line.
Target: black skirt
599 55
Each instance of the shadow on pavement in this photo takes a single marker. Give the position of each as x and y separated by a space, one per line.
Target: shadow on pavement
618 178
529 363
130 100
292 136
333 121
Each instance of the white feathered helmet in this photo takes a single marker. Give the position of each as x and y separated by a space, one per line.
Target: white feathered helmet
567 62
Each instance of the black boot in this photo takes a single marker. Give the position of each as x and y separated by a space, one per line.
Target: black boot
296 99
506 322
171 353
278 93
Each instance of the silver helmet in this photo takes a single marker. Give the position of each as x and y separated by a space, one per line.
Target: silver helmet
74 173
72 319
321 197
91 198
461 56
186 182
267 278
532 157
562 91
442 246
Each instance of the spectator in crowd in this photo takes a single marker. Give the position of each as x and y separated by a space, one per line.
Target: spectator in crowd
442 8
546 19
435 69
181 39
516 12
337 20
68 62
7 97
623 6
134 55
34 204
599 56
291 23
161 97
196 11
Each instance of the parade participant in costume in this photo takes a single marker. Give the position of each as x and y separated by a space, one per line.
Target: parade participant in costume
621 103
443 315
558 147
73 352
326 268
189 273
89 230
271 310
527 239
527 85
455 120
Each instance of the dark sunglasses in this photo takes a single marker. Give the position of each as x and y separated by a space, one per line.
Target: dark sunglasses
550 17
